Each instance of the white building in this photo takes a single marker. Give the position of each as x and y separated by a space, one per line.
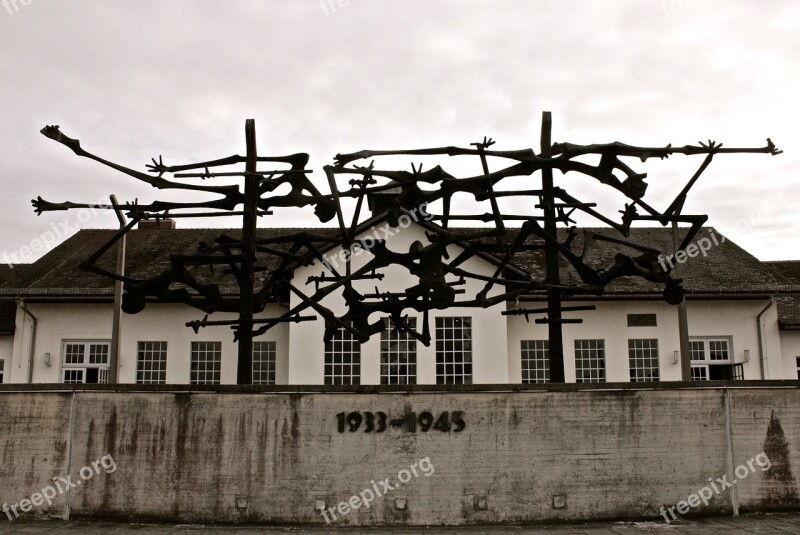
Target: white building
55 324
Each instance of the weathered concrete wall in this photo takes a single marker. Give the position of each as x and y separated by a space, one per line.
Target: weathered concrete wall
189 456
35 442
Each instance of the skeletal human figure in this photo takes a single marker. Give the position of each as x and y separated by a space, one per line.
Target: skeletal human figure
436 277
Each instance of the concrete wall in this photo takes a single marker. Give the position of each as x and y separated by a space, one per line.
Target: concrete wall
268 457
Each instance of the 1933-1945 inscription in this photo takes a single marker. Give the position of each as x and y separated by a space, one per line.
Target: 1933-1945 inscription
378 422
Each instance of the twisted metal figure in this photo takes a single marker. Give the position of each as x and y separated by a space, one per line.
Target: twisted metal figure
436 276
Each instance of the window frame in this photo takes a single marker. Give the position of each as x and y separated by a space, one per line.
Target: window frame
703 366
639 374
600 347
707 350
86 363
535 352
268 349
404 354
194 371
348 355
2 370
445 325
161 362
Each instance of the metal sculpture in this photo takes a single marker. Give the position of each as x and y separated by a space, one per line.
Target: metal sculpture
190 279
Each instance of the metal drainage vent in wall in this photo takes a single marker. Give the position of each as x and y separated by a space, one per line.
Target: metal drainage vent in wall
242 503
401 504
320 505
480 503
559 501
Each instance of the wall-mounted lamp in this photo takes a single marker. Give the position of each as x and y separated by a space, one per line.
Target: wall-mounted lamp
747 355
47 359
675 356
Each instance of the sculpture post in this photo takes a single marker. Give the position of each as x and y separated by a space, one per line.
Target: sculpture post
244 373
556 347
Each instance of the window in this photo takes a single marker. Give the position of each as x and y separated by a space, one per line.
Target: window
699 373
798 367
711 359
643 359
206 363
2 370
535 361
151 363
641 320
590 361
86 362
398 354
73 376
343 359
738 371
264 363
453 351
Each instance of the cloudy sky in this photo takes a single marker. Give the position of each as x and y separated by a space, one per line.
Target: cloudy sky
133 80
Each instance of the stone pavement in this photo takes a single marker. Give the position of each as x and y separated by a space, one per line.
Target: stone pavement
778 523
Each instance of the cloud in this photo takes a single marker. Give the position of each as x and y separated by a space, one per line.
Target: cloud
135 80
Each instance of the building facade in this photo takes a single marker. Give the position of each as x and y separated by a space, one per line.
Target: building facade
56 322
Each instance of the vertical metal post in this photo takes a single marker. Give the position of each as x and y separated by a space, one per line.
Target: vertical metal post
551 258
244 371
683 321
113 357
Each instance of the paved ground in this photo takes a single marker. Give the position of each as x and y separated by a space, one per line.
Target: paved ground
778 523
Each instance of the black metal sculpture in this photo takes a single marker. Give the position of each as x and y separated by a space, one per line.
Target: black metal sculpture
190 279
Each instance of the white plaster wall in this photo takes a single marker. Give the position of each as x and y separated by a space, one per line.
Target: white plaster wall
55 323
302 361
158 322
489 332
790 347
734 319
6 348
738 319
496 338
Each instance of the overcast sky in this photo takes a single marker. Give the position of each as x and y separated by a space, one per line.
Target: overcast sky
136 79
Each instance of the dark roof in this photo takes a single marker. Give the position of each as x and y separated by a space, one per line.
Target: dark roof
788 305
726 270
789 269
12 276
147 254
